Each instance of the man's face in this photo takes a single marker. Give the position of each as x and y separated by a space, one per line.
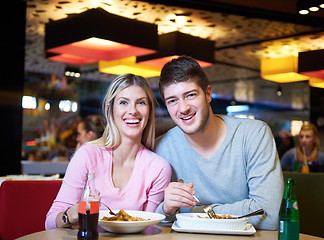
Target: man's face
188 105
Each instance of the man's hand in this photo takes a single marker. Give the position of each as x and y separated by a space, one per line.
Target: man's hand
178 195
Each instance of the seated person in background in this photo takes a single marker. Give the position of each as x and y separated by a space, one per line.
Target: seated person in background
89 129
128 174
307 150
284 142
226 162
61 155
31 155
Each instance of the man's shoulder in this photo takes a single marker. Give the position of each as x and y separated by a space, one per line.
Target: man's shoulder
171 133
246 123
169 140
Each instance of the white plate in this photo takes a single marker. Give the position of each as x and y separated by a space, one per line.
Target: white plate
248 231
132 226
202 221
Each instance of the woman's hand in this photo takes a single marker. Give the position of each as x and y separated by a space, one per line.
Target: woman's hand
73 214
73 217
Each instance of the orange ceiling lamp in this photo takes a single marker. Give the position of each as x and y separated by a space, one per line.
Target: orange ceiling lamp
311 63
128 65
281 70
316 82
174 44
96 35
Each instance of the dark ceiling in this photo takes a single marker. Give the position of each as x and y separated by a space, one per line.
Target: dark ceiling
243 31
279 10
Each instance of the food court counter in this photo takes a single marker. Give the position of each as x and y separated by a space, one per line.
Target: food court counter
158 232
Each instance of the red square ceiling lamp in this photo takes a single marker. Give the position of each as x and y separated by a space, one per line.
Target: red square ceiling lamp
311 64
96 35
174 44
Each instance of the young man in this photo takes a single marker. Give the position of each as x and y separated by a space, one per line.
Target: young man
228 162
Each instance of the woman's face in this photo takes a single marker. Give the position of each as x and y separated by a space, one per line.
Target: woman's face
131 112
306 139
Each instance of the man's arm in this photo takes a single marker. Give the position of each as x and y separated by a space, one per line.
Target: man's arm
264 180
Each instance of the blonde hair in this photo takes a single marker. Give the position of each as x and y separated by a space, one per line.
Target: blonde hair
111 137
311 127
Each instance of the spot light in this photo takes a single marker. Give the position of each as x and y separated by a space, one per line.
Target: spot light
47 106
72 72
304 7
29 102
314 9
303 12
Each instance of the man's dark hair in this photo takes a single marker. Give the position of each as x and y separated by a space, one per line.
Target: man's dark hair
182 69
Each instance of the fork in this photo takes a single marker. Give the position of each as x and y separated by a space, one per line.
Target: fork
207 208
110 211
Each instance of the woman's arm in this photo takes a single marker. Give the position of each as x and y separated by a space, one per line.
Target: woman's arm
156 192
70 192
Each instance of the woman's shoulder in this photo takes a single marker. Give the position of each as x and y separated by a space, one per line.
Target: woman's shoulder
321 156
90 148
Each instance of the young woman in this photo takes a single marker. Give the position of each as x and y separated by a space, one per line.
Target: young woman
307 150
128 174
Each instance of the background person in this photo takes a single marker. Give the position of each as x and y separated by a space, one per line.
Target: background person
308 143
284 142
229 162
61 155
128 174
89 129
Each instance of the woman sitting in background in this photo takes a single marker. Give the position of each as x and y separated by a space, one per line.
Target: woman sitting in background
128 174
306 153
89 129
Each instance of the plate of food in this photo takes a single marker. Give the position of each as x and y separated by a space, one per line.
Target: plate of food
128 221
203 222
249 230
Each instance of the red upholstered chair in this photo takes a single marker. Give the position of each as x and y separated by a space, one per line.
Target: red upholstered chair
23 206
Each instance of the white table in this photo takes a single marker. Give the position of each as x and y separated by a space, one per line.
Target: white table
157 232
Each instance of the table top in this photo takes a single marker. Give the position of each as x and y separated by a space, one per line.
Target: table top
158 232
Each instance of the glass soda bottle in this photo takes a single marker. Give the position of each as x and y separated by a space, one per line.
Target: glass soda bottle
296 167
89 211
289 214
